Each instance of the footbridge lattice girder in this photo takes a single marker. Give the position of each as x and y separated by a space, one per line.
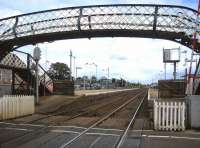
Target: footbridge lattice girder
175 23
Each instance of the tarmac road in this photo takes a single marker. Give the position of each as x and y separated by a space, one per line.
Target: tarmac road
31 136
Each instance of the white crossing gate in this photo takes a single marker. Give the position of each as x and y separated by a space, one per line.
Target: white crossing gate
169 115
12 106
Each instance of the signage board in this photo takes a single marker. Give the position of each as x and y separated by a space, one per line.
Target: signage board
171 55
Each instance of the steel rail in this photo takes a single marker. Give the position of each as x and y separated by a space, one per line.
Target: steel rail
124 135
42 129
99 121
79 114
76 115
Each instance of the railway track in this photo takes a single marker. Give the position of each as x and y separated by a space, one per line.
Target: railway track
90 109
114 111
119 104
123 136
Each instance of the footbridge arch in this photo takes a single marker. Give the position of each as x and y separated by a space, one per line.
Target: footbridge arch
175 23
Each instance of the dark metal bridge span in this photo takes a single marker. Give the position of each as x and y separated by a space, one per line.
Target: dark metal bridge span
176 23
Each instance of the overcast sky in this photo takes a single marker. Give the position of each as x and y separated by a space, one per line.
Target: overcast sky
135 59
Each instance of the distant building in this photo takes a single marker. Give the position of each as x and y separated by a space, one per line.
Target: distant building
5 76
5 81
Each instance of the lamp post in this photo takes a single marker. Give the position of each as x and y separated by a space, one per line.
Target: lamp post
90 75
37 56
94 65
108 73
70 63
74 65
96 68
77 70
85 76
119 76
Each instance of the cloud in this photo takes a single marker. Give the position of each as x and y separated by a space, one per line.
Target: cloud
143 56
131 58
7 12
37 5
118 57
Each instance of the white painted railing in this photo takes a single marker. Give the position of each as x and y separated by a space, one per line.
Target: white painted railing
169 115
12 106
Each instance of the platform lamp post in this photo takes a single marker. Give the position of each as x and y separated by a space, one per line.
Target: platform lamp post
108 73
37 57
96 68
77 71
70 75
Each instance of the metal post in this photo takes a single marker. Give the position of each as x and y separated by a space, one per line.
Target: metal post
13 81
37 83
74 65
44 84
96 72
76 72
96 68
174 70
28 74
108 79
84 82
37 57
165 71
70 55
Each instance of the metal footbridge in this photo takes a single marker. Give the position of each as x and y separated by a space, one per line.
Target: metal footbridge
175 23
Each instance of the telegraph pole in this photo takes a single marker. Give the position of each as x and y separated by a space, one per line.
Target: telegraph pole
74 66
96 68
165 71
70 55
174 70
77 71
108 78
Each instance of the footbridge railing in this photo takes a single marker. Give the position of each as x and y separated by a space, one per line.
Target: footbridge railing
176 23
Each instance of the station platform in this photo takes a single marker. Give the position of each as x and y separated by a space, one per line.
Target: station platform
100 91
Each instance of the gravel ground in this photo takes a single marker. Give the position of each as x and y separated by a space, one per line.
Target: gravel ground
59 110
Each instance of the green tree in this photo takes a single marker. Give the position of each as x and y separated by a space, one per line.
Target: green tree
93 79
59 71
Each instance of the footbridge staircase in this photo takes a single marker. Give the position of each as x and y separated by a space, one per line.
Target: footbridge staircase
23 76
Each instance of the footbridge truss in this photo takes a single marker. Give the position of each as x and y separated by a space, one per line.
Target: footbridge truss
175 23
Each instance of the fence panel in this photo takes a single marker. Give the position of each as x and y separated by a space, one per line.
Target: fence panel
12 106
169 115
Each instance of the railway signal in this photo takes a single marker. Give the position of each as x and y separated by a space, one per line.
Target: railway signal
37 57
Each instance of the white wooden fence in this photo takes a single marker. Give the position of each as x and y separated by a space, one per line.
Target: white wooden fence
12 106
169 115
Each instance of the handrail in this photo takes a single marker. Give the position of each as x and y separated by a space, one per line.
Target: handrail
170 22
34 60
93 6
44 77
